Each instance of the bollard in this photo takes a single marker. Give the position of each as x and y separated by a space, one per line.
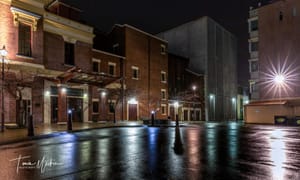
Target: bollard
30 126
152 119
177 123
70 121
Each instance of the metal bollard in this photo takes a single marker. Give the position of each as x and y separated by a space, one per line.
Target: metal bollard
177 123
70 120
30 126
152 119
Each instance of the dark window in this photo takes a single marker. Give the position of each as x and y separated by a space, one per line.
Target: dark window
135 73
163 76
254 25
69 53
24 40
96 67
280 16
254 46
95 107
111 69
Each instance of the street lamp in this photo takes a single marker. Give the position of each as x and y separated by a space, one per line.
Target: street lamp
176 104
3 53
194 112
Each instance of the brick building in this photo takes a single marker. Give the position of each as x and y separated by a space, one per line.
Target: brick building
187 89
145 70
51 67
274 66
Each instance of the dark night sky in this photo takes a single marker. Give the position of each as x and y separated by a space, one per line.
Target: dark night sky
159 15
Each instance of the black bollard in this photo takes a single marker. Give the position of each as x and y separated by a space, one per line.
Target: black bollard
69 121
177 123
30 126
152 119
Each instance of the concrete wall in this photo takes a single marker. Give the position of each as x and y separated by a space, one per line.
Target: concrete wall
213 52
265 114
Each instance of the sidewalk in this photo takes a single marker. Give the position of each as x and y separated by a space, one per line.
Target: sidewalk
47 130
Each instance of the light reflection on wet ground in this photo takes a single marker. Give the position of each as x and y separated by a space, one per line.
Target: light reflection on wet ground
209 151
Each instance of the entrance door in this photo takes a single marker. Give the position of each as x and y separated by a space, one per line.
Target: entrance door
185 115
172 113
132 112
75 104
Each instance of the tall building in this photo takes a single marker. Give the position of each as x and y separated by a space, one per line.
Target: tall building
212 52
274 50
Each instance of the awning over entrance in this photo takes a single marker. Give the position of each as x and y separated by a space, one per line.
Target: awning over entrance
76 75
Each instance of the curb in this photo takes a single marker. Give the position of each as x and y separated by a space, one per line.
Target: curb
57 133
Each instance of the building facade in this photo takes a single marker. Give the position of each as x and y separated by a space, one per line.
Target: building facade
212 52
186 90
145 70
51 69
274 66
274 49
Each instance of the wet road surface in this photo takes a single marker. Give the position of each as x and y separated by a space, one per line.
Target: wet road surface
209 151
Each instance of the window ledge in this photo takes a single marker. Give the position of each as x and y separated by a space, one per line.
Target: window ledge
135 78
25 57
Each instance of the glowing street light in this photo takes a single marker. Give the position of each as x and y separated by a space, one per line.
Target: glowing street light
3 53
279 79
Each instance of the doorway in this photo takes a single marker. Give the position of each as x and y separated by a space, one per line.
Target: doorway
132 112
75 104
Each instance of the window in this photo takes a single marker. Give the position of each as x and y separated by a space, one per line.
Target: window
96 65
254 46
95 106
280 16
69 53
294 11
135 72
163 109
163 49
163 94
253 66
24 40
163 77
111 68
254 25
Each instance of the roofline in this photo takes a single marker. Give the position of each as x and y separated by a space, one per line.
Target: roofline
110 54
136 29
57 1
192 72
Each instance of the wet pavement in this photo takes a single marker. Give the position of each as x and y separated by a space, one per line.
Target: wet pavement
208 151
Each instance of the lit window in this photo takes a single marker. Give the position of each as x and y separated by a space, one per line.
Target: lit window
163 49
163 109
24 40
96 65
69 53
111 68
163 76
135 72
163 94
